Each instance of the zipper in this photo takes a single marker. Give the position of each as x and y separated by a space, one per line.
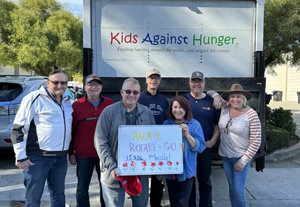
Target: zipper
60 106
64 128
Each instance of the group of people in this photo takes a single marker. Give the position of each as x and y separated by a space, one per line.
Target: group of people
47 128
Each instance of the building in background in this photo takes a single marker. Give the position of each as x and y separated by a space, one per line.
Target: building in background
285 78
16 72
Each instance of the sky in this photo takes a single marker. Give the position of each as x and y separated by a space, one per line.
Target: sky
74 6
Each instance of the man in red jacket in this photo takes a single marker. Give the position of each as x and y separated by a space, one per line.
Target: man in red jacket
82 151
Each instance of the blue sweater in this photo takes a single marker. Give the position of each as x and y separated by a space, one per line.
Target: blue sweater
158 104
190 154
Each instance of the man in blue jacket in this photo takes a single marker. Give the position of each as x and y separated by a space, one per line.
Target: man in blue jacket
159 105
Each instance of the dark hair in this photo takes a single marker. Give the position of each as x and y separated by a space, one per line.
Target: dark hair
184 104
56 72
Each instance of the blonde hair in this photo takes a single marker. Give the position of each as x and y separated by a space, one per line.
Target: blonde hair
245 106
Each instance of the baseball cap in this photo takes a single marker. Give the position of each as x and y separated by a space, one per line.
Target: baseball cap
92 77
152 72
131 184
197 74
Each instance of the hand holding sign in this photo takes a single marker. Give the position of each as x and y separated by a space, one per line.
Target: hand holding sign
185 129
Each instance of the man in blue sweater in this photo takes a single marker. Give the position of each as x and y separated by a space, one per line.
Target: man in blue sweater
159 105
204 112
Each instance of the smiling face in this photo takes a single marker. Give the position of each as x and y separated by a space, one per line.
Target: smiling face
197 86
236 101
57 84
130 94
93 89
153 81
178 112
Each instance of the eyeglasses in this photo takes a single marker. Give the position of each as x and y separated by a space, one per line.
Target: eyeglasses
229 124
63 83
196 81
130 91
93 84
154 78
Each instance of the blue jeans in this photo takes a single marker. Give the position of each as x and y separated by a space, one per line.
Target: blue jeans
236 181
52 169
84 171
115 197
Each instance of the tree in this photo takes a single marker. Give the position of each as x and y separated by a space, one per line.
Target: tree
282 32
5 26
43 37
5 19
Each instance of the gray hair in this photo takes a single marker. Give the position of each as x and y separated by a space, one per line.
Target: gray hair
132 81
56 72
245 106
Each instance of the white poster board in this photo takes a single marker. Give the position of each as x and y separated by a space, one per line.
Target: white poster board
176 37
150 150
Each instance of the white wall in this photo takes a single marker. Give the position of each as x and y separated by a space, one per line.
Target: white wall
6 71
286 79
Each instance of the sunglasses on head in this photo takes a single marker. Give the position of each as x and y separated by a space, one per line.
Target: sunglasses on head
63 83
130 91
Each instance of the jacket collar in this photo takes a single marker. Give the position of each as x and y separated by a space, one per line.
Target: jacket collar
45 91
171 121
139 107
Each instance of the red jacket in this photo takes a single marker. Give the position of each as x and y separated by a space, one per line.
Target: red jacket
85 117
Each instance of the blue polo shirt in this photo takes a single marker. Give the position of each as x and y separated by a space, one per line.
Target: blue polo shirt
204 112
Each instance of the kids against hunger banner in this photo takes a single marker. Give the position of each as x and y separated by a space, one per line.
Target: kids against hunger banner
150 150
177 37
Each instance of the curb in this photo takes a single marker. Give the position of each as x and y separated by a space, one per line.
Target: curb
284 154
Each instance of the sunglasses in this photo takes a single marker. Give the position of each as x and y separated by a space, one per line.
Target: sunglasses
130 91
63 83
229 123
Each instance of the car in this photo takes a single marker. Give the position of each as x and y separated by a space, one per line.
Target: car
12 91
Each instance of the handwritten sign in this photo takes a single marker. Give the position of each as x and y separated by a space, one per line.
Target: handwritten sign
150 150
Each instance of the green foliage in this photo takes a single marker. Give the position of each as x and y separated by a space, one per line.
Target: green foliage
78 77
5 19
283 119
43 37
268 112
277 138
280 127
281 32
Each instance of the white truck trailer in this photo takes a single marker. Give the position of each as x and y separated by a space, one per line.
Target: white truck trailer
223 39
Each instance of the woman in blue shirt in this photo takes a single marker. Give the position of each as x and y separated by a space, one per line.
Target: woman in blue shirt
180 186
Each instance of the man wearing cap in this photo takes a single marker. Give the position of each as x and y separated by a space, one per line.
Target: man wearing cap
82 153
159 105
125 112
203 111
